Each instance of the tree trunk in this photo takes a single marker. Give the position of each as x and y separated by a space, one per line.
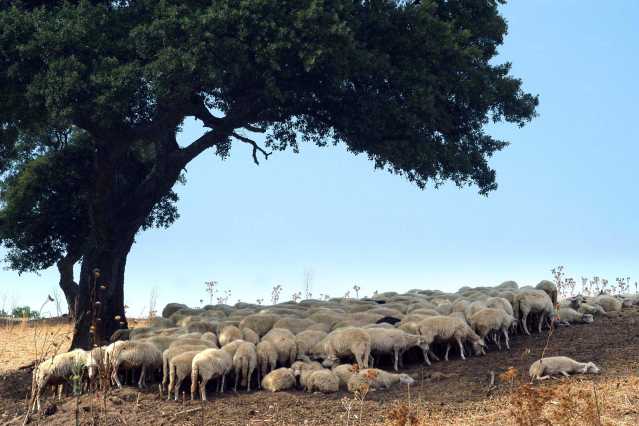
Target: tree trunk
100 307
68 286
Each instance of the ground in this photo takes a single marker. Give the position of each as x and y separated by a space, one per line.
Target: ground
455 392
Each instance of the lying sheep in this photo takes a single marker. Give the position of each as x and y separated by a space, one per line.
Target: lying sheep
546 367
346 342
57 370
344 373
134 354
444 329
228 334
374 378
207 365
395 342
587 308
244 363
324 381
570 316
179 369
492 320
266 359
301 368
279 380
608 303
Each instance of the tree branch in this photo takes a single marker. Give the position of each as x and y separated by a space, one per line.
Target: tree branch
195 148
202 113
254 129
256 147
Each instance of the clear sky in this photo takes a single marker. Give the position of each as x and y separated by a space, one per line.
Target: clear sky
567 192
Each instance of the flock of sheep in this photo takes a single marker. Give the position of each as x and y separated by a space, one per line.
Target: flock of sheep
313 343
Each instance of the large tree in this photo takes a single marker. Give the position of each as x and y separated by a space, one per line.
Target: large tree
410 84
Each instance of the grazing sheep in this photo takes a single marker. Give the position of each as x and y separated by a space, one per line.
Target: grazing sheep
266 358
207 365
608 303
492 320
244 363
162 343
550 288
228 334
324 381
284 342
395 342
134 354
534 301
179 369
259 323
500 303
294 325
571 316
546 367
376 379
231 348
279 380
57 369
210 337
249 335
174 351
306 340
201 327
445 329
354 342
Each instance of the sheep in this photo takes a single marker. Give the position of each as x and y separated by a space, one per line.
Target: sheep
534 301
57 369
302 368
344 373
266 358
209 364
546 367
608 303
279 380
473 308
295 325
307 339
210 337
244 363
284 342
550 289
231 348
229 334
200 327
172 308
259 323
396 342
489 319
174 351
500 303
134 354
571 316
346 342
587 308
162 343
375 378
324 381
179 369
249 335
444 329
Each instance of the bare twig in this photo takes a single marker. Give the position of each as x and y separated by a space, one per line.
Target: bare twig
255 146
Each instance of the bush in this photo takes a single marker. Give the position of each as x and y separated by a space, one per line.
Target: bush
25 312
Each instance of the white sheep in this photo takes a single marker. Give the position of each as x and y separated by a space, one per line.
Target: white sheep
266 359
300 368
249 335
173 351
231 348
350 341
134 354
307 339
57 370
395 342
210 337
490 320
445 329
244 363
179 369
207 365
608 303
550 289
374 378
228 334
259 323
278 380
546 367
534 301
344 373
569 315
324 381
284 342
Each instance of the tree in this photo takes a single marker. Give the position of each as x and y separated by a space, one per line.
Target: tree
411 85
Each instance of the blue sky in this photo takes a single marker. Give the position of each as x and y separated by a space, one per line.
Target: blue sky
567 192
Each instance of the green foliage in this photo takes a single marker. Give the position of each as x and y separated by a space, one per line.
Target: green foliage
25 312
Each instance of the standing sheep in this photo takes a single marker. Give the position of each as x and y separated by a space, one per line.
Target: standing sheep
550 289
306 340
445 329
546 367
229 334
249 335
209 364
135 354
244 363
266 359
348 341
534 301
179 369
395 342
488 320
284 342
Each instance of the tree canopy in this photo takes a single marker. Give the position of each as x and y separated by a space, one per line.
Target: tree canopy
94 93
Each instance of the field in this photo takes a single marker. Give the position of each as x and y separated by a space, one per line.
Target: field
456 392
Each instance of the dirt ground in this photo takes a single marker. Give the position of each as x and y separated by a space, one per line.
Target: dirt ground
448 393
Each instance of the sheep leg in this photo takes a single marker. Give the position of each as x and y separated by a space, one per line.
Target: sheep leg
222 384
426 360
203 390
565 374
178 383
542 317
114 375
524 322
141 380
434 355
248 380
447 349
360 361
461 348
237 378
505 331
396 359
60 389
401 359
372 360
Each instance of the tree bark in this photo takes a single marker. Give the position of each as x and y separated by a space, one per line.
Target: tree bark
69 287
